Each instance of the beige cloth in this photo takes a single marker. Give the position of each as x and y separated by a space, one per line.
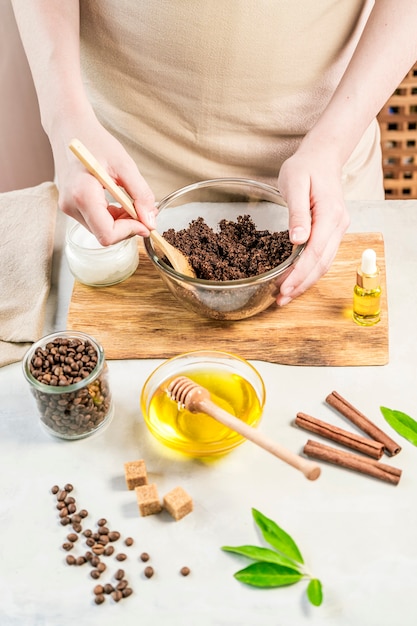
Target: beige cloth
27 220
205 89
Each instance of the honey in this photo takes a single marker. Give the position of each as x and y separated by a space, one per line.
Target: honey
198 434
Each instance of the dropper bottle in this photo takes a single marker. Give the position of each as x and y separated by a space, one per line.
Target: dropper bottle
367 291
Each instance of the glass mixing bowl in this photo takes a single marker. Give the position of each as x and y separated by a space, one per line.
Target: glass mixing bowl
214 200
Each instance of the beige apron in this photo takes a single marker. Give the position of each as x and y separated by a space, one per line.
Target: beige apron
199 89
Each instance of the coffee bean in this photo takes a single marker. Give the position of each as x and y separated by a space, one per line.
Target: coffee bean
61 505
70 559
108 550
145 556
71 508
122 585
99 599
117 596
83 513
127 592
129 541
87 532
101 567
185 571
65 521
148 571
68 546
98 590
63 512
72 537
95 574
121 556
55 489
61 495
119 574
69 500
90 542
102 522
68 487
81 560
108 588
95 560
77 527
114 535
76 519
97 548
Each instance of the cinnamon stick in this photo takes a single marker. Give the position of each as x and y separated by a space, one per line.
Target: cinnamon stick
352 461
361 421
372 448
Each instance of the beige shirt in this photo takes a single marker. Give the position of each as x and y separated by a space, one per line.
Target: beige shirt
200 89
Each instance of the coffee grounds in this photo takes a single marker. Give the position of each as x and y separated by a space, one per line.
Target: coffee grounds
236 251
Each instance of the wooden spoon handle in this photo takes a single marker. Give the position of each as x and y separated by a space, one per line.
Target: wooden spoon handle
98 171
309 469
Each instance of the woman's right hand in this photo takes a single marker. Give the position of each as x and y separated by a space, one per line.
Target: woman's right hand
82 196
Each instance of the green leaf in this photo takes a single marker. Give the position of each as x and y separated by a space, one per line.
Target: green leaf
277 537
402 423
315 592
268 575
262 554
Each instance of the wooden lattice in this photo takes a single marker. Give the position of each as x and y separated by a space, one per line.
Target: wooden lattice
398 123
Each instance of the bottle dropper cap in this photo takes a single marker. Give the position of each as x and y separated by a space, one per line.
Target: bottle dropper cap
368 273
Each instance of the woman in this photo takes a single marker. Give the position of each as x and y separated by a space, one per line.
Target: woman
173 92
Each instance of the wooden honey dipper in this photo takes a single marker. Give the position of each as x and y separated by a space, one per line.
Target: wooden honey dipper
196 399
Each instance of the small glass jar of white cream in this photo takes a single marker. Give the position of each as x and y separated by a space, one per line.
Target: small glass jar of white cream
96 265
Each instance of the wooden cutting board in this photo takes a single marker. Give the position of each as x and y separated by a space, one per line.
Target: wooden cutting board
139 318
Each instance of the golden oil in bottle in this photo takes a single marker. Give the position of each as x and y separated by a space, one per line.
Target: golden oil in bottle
367 291
199 434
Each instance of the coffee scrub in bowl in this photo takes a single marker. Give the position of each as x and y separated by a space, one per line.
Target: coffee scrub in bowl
235 234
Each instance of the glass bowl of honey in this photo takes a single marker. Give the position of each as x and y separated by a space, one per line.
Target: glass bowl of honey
234 385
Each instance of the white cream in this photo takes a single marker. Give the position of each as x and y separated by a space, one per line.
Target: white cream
97 265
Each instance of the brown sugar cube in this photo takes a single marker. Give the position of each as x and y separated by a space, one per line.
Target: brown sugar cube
135 474
178 503
148 499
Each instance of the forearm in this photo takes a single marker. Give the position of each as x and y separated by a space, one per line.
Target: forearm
385 53
50 35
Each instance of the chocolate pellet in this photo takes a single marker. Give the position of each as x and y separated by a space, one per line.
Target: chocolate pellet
185 571
119 574
129 541
55 489
121 556
70 559
148 571
99 599
144 557
98 589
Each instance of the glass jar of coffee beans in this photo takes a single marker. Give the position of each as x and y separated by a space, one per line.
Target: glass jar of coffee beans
68 376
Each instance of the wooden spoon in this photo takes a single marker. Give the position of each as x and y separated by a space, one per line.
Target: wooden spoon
178 260
196 399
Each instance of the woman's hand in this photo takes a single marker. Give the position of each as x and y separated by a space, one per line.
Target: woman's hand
82 197
310 182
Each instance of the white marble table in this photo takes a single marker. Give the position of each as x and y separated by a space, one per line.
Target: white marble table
357 534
